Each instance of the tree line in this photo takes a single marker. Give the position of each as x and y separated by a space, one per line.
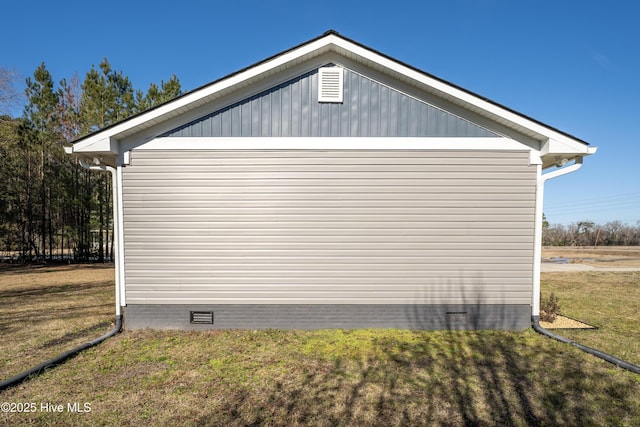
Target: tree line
50 207
588 233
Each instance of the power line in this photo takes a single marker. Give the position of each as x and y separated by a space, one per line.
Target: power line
618 207
595 207
599 200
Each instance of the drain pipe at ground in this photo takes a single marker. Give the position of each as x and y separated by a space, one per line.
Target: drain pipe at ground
601 354
37 370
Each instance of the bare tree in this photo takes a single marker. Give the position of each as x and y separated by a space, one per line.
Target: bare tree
10 97
588 233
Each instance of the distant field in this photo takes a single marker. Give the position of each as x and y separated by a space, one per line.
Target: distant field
600 256
328 377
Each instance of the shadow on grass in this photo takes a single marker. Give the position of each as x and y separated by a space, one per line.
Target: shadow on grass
23 307
6 296
444 377
89 332
22 269
458 378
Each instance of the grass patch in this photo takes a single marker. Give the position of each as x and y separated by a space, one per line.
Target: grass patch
46 310
609 301
339 377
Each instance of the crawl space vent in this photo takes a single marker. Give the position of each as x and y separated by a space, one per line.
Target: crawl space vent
201 317
330 84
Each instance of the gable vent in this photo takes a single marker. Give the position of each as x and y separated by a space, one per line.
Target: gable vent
330 84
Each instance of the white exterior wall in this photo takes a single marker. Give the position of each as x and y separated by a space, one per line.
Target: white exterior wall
329 226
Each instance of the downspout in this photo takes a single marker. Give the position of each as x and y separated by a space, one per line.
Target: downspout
537 260
116 227
537 241
119 238
118 320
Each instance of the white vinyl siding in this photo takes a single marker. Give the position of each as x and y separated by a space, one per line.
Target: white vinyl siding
328 227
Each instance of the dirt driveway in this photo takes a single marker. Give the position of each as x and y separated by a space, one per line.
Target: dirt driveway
555 267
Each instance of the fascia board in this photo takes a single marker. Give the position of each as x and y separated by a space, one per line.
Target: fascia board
555 146
97 144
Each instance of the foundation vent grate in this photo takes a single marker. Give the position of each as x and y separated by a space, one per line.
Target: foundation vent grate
201 317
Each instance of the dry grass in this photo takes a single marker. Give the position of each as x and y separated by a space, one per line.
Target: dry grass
600 256
333 377
45 311
609 301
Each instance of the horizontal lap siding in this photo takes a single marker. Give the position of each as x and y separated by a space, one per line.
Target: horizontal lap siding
323 227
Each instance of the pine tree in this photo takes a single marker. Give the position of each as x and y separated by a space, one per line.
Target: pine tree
41 142
75 201
48 203
11 163
107 97
157 95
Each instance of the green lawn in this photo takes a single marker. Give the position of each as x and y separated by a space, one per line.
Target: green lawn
351 377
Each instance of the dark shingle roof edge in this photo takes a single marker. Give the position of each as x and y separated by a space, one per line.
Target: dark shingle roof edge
325 34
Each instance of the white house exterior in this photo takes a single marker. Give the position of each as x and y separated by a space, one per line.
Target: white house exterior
329 186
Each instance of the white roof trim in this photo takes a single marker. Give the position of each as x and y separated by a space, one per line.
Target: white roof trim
560 146
107 139
332 143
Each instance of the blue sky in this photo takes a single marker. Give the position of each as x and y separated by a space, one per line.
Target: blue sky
574 65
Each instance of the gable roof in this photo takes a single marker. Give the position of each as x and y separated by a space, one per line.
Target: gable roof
553 142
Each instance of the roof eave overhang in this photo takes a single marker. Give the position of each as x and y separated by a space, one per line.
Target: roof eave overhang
552 141
559 150
104 150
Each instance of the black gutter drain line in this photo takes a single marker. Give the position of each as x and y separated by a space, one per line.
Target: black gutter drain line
601 354
37 370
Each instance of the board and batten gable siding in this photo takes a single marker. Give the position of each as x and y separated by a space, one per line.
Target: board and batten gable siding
369 109
300 227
